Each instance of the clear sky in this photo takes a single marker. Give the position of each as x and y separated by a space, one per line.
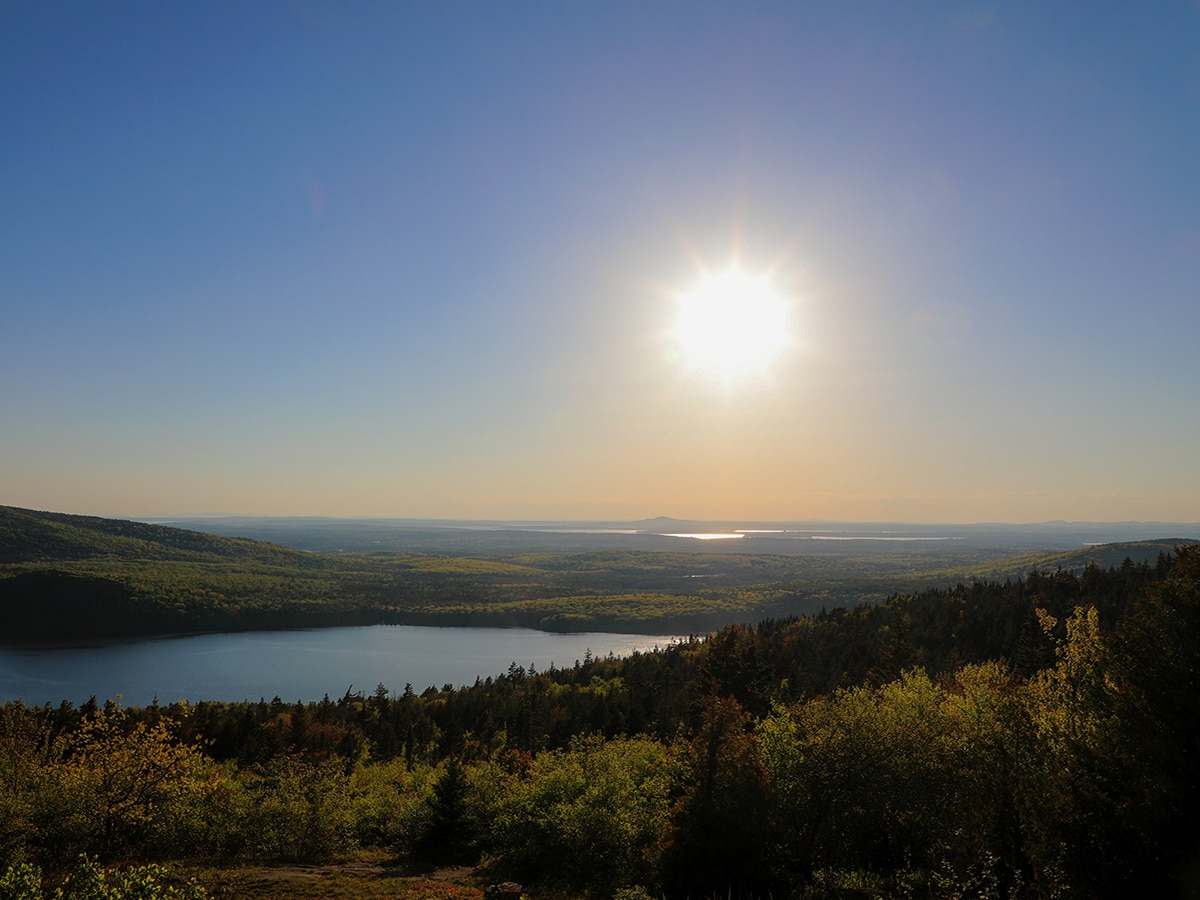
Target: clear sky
426 259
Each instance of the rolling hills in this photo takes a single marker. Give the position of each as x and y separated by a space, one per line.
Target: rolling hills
68 578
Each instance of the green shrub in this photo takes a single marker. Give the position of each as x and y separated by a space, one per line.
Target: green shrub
90 881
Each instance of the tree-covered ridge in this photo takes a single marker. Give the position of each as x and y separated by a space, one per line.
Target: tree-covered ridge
1031 738
32 536
1104 556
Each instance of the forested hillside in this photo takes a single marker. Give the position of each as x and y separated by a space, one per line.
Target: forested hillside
1036 737
28 535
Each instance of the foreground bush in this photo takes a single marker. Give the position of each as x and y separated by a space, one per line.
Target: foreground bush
89 881
593 817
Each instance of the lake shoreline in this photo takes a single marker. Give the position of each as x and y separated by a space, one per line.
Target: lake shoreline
299 664
79 643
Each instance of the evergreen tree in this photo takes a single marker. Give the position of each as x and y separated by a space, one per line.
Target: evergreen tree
451 833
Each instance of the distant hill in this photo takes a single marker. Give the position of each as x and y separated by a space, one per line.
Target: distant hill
66 577
1104 556
28 535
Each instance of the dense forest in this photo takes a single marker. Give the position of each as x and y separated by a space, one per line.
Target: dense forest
1028 737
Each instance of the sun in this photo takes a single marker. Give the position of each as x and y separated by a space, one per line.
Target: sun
731 326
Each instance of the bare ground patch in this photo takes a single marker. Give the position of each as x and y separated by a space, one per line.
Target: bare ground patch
353 880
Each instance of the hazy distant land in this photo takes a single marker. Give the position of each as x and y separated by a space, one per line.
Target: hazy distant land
807 538
65 577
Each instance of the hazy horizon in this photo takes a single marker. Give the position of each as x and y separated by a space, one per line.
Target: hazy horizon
761 262
747 524
746 521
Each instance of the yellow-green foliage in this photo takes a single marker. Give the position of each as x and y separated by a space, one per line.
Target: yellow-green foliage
390 802
594 816
87 880
596 610
111 783
461 565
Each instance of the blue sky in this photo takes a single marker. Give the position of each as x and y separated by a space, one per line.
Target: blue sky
423 259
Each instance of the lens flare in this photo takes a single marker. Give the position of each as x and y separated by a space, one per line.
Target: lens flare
731 326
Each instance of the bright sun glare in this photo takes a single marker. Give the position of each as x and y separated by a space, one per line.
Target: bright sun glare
731 326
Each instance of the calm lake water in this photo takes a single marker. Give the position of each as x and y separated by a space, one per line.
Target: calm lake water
295 665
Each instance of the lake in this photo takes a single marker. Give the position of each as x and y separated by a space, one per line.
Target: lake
294 665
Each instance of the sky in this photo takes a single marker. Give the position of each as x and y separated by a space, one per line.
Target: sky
428 259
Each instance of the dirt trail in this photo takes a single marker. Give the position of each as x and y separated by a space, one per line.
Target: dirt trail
296 871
